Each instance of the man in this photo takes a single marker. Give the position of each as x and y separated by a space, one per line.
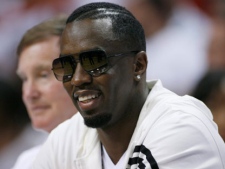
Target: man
45 98
124 122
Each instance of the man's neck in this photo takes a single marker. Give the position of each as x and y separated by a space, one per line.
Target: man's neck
115 143
116 137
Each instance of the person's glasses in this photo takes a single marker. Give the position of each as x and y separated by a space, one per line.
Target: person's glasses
94 62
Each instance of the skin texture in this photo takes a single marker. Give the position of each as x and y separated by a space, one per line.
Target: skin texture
119 94
45 98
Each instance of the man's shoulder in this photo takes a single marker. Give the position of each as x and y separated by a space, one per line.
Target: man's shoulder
73 130
69 140
162 98
165 107
75 123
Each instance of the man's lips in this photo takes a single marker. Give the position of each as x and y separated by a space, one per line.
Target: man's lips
39 108
87 99
85 95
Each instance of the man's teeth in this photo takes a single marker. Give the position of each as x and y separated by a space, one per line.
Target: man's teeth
85 98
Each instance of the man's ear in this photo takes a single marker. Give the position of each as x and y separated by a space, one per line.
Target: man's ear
140 65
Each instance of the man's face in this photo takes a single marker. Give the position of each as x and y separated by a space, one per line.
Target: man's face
106 99
46 100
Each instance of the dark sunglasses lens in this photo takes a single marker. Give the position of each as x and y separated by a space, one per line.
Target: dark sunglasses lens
63 68
93 60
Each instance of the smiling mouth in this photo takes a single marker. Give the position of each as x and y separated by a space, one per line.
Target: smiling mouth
87 98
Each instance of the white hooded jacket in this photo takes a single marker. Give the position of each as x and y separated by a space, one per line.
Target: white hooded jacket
172 132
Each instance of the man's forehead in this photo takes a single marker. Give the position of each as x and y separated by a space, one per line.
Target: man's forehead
98 26
87 33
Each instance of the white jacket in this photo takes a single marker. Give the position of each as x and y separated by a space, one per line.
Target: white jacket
172 132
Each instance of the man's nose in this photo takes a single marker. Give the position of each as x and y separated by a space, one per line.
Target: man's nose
80 76
30 90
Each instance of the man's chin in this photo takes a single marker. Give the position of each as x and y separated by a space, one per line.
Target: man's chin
97 121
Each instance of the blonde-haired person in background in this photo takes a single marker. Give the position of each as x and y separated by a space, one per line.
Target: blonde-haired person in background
45 98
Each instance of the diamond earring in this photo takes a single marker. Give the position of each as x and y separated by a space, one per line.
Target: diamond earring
138 77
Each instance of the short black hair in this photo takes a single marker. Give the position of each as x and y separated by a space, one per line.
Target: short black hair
125 26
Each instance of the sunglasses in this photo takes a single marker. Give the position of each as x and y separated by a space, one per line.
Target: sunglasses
94 62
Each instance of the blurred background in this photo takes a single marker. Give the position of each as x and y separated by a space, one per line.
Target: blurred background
185 42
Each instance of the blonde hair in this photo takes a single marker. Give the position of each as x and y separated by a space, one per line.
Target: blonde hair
42 31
